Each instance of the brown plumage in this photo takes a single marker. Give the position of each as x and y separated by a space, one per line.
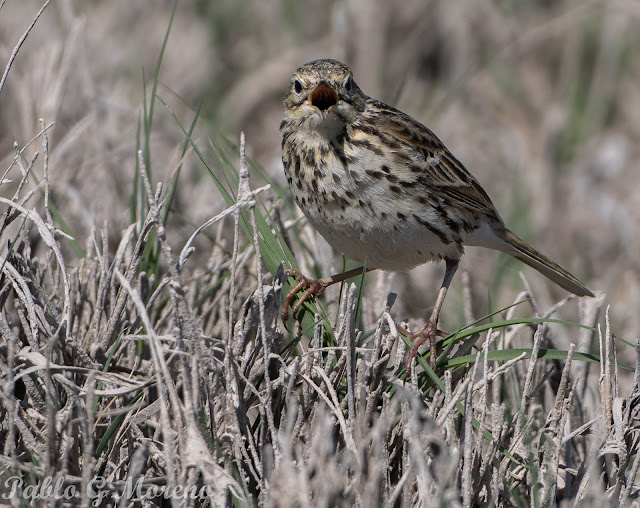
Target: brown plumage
384 190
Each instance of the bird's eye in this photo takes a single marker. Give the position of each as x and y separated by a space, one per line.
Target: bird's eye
348 85
297 86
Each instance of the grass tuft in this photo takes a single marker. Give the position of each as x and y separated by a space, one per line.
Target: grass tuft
153 356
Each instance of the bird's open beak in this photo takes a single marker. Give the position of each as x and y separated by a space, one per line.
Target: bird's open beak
323 97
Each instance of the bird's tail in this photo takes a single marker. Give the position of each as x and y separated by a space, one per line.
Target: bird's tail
517 248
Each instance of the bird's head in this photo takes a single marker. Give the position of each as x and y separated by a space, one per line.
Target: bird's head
323 96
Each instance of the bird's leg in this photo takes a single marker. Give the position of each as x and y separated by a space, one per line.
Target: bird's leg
429 331
313 287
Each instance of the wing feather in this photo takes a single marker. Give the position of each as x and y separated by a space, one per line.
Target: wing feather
435 167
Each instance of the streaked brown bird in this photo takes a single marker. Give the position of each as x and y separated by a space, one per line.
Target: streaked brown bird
383 189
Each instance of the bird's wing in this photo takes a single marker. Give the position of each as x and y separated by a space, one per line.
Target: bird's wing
434 166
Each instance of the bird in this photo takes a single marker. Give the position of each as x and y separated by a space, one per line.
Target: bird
381 188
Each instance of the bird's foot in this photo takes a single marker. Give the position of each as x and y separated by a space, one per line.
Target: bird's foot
313 288
427 334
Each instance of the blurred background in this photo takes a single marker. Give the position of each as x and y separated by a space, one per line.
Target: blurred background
539 99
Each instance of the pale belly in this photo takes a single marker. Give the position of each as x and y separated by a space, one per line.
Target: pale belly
391 244
364 210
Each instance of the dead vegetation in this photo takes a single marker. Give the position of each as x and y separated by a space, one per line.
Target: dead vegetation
185 378
141 361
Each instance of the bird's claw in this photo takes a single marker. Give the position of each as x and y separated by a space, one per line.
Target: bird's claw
313 288
428 333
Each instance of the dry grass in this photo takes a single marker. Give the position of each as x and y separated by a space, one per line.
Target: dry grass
133 352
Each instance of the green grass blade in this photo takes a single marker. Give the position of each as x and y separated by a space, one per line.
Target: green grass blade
174 182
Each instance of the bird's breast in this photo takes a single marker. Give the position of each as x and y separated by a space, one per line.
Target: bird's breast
357 203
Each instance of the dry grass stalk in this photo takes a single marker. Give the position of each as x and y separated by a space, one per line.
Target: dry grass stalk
216 398
179 374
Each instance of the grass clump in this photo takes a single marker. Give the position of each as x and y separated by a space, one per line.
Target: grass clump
152 368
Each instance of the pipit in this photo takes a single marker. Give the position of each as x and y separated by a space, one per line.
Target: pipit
381 188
